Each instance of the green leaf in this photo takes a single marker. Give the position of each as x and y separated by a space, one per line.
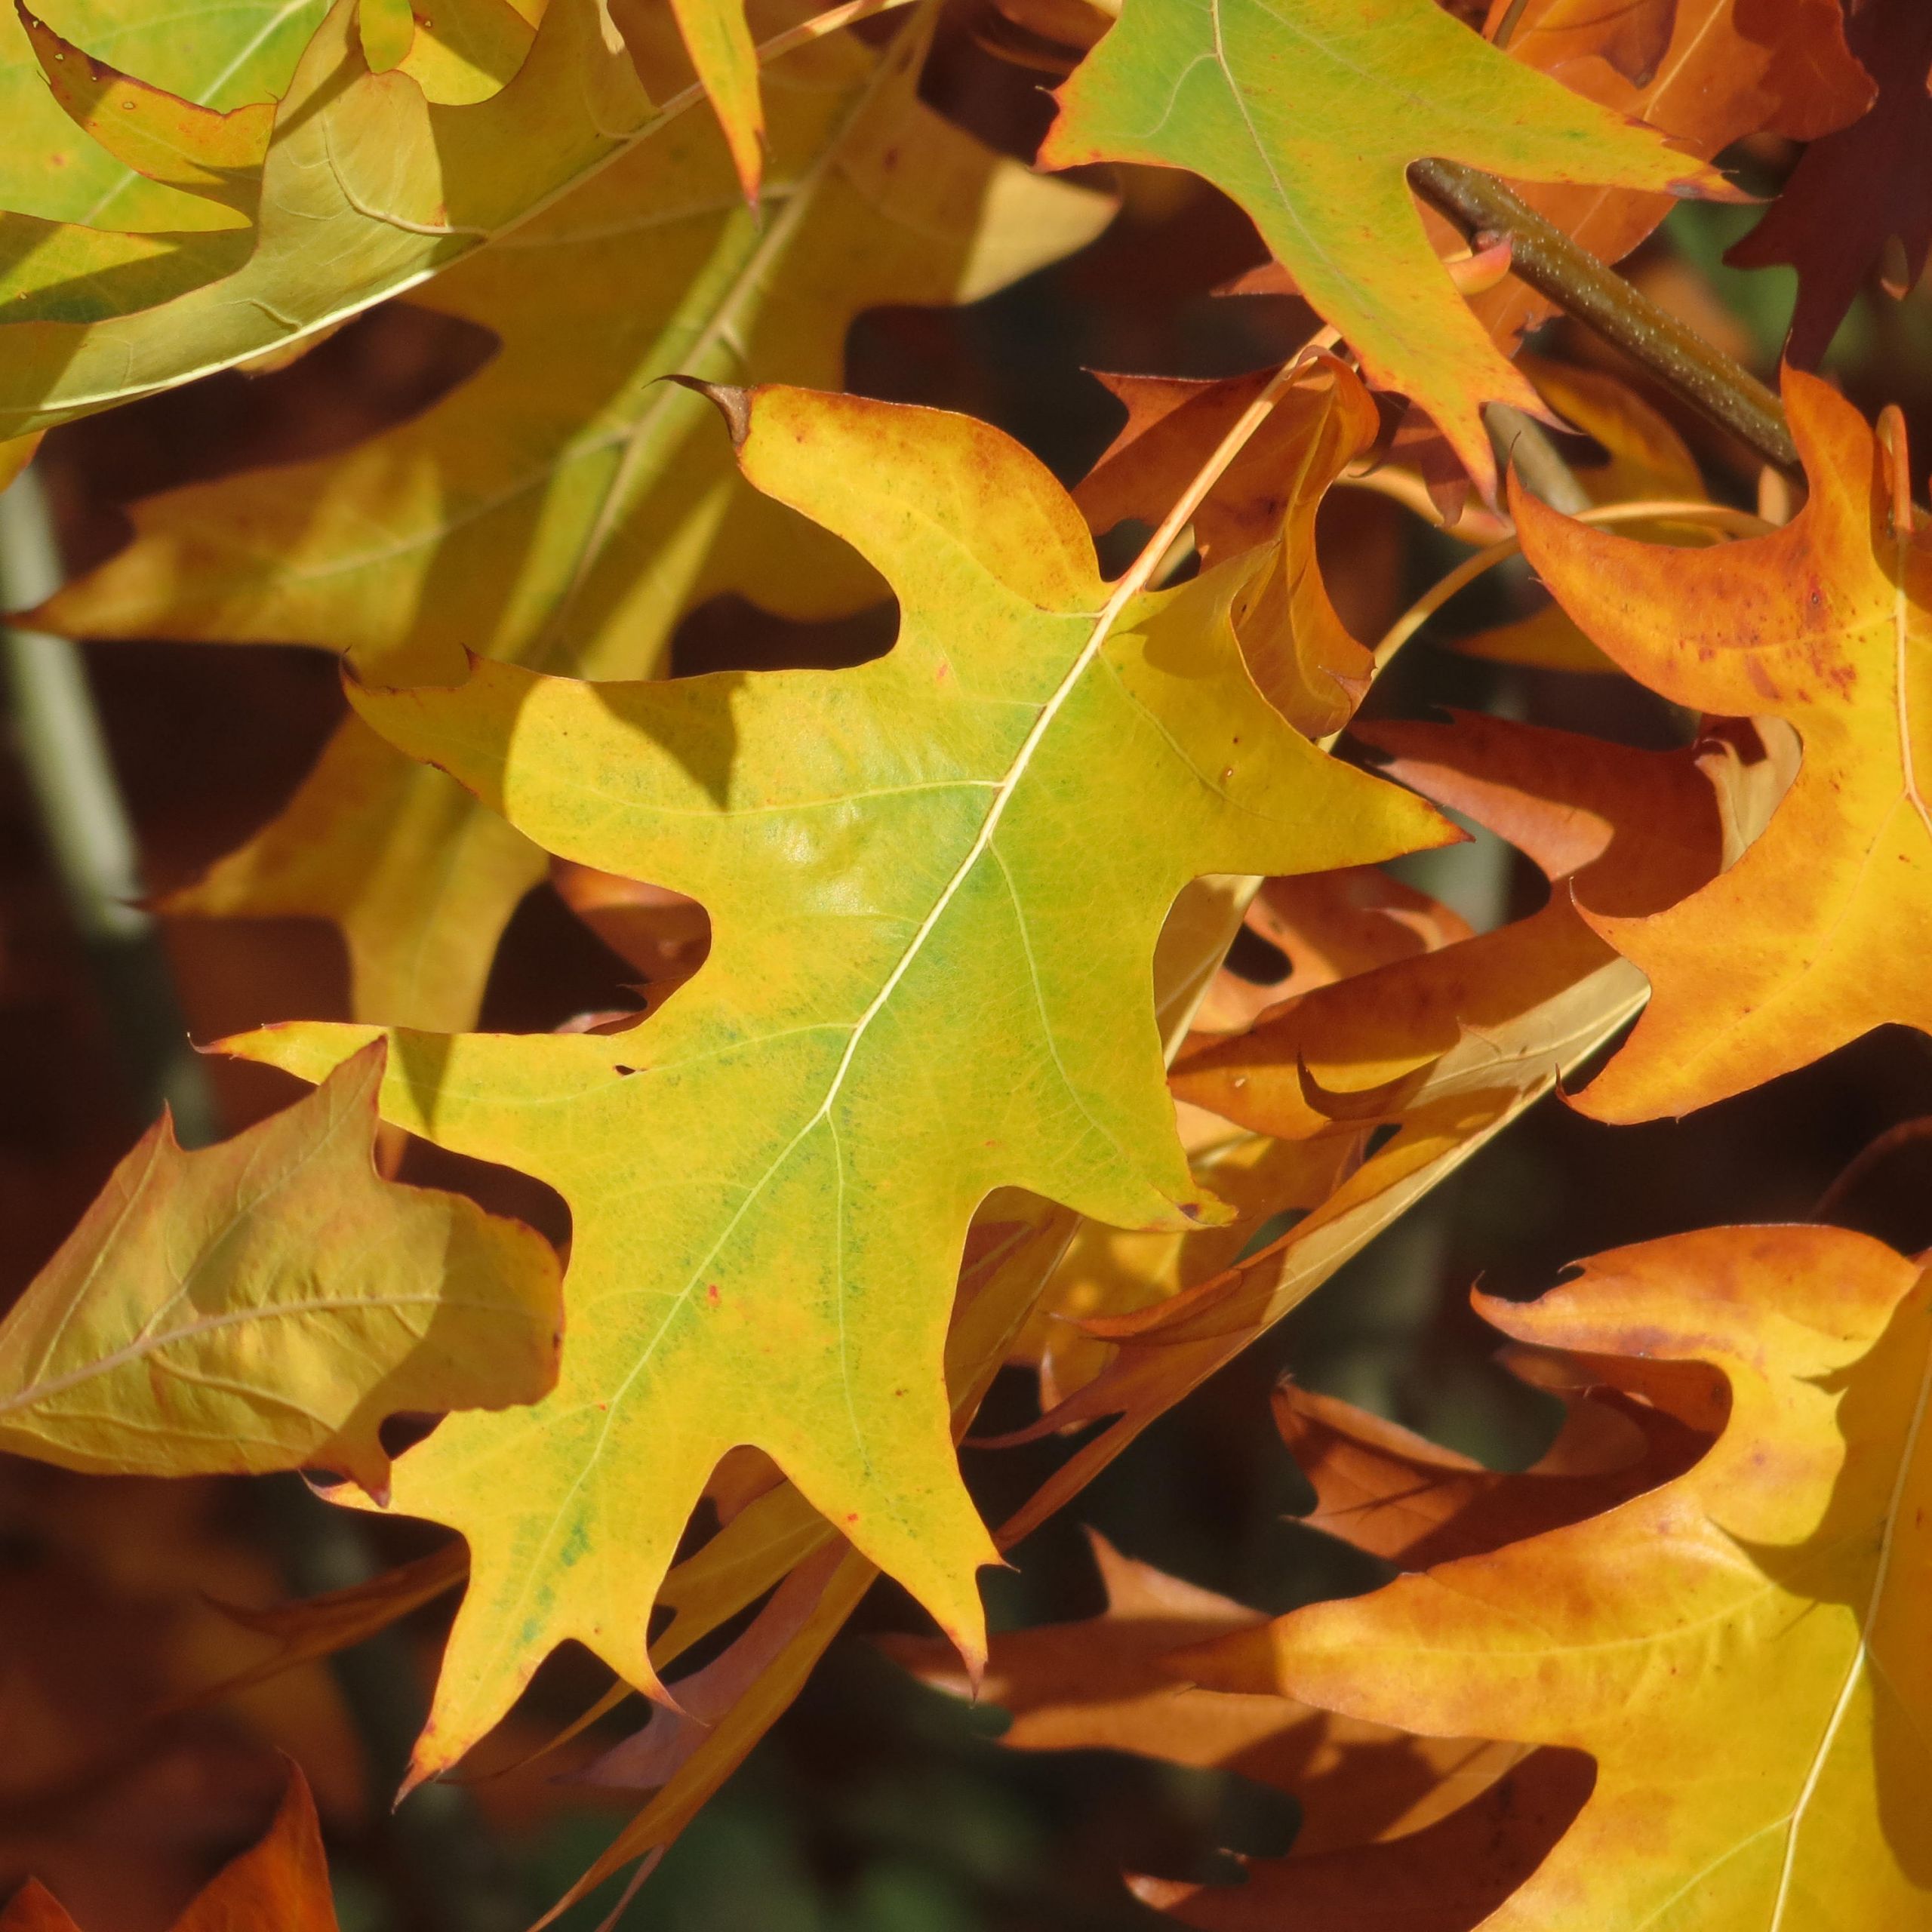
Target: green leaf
369 189
935 883
222 56
1307 112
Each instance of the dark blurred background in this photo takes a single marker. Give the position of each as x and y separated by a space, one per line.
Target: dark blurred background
876 1805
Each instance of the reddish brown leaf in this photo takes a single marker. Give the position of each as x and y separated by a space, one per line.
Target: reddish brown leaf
1446 1878
1399 1495
1106 1683
1860 196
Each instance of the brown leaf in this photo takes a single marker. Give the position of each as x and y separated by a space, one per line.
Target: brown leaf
1862 194
1445 1878
1398 1496
1106 1683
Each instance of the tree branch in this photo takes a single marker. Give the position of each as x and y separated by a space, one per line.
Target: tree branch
1552 264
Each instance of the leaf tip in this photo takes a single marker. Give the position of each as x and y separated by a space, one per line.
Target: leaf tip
732 403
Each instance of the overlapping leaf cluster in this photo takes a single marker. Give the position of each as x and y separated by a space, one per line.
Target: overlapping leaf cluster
951 1076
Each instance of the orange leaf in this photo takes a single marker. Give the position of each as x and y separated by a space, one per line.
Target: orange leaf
1732 68
1398 1496
281 1884
1821 931
1739 1650
1636 828
1632 35
34 1909
1300 653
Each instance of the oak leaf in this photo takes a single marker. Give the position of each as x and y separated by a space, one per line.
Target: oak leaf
1765 1598
1732 68
1301 653
1397 1495
1447 1047
1326 926
1645 458
1329 924
282 1882
1108 1271
1861 195
1308 116
1818 932
1635 829
265 1304
935 883
224 59
1444 1878
1106 1683
1463 1097
367 187
1632 35
564 507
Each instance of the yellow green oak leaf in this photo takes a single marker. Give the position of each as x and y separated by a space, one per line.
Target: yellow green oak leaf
1308 113
935 882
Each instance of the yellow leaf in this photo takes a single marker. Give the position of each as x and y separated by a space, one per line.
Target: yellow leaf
720 45
177 143
565 507
265 1304
466 50
935 885
367 189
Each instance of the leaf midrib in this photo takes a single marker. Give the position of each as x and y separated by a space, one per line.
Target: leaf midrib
1855 1669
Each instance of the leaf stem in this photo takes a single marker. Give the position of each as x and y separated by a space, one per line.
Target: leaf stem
1505 28
1555 265
1714 516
